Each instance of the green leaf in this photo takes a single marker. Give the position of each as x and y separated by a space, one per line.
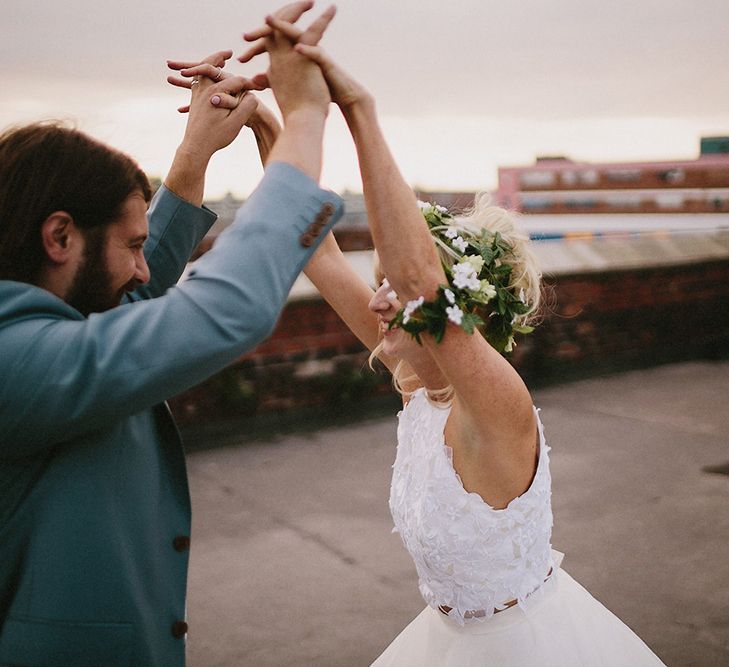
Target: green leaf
488 255
472 321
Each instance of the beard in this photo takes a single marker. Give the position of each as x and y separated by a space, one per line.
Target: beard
92 290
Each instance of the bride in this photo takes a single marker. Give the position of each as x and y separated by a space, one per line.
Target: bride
471 487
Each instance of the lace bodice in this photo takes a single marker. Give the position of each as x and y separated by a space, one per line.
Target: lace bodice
469 556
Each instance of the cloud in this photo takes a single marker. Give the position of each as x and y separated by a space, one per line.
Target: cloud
526 58
462 87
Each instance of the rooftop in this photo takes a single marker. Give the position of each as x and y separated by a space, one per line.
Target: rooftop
294 563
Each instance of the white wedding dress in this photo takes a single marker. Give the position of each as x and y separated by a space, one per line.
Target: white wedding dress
471 559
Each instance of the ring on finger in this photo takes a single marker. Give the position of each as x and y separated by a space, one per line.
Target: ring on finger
217 76
194 82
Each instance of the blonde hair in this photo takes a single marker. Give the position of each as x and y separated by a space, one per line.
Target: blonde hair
525 278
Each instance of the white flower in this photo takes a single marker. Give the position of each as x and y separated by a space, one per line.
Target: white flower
425 207
464 276
487 290
451 232
449 296
459 243
476 261
410 307
440 209
455 314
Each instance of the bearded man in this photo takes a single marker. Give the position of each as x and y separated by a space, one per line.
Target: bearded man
95 334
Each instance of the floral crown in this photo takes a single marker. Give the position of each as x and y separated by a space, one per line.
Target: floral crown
479 277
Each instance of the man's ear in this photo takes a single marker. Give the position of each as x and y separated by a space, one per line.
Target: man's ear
59 235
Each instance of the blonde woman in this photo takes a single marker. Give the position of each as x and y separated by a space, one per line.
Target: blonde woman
470 492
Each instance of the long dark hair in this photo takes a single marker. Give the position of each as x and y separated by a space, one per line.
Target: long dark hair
47 167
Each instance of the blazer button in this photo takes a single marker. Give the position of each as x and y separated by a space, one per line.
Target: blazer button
328 209
181 543
306 240
179 629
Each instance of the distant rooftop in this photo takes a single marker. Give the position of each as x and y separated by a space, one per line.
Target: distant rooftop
711 148
588 254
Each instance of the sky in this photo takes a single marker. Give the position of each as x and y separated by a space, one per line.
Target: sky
461 87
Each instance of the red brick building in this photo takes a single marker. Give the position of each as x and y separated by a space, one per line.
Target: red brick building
559 185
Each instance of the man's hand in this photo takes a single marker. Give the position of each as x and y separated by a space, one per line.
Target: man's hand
209 128
262 121
217 112
217 61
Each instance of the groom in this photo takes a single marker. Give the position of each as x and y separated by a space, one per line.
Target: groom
94 505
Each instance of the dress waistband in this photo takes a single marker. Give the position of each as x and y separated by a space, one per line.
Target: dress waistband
557 558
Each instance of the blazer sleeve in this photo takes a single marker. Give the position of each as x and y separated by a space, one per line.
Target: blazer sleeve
64 375
176 227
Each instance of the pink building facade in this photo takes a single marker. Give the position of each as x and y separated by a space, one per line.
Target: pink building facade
558 185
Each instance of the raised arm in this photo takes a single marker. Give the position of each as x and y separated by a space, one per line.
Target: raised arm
65 375
413 268
208 128
177 221
266 130
338 283
347 293
493 406
262 121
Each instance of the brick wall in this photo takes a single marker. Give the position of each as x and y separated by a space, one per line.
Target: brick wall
311 359
594 323
626 319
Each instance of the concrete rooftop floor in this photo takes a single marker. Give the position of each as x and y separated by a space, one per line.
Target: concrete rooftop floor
293 562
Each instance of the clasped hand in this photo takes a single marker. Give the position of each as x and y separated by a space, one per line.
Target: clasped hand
212 126
344 90
301 75
297 82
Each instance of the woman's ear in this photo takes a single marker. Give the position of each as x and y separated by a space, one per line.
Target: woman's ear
59 235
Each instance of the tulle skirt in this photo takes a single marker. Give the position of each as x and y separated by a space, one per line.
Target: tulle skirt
564 626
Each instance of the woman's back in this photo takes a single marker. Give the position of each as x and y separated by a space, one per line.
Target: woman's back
474 561
470 557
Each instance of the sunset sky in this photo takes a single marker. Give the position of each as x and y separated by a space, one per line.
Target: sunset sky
460 90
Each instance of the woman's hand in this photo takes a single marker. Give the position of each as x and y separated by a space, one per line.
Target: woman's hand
290 13
266 130
211 68
217 108
296 81
261 120
345 91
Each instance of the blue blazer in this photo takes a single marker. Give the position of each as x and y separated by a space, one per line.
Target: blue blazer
94 504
